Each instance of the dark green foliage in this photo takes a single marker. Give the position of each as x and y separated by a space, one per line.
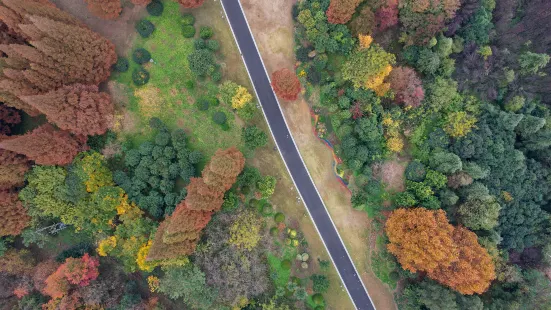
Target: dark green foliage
153 169
302 54
155 8
141 56
415 171
254 137
212 45
248 177
320 283
202 104
279 217
190 84
199 44
145 28
188 31
140 76
206 32
188 19
216 76
190 284
201 62
478 28
121 65
428 295
445 162
219 118
313 76
231 201
75 251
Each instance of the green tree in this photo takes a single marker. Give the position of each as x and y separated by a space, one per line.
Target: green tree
480 214
367 64
254 137
445 162
531 63
266 186
320 283
188 283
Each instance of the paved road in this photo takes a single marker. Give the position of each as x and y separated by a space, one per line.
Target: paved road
291 156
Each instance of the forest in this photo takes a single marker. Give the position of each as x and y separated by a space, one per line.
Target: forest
455 92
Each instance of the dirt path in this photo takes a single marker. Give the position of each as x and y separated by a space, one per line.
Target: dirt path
272 26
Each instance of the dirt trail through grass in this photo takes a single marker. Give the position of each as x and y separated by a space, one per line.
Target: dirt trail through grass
272 26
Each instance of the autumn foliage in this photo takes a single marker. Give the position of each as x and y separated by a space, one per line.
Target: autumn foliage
78 108
12 169
286 84
423 240
387 15
106 9
407 87
75 271
13 217
178 235
45 145
341 11
191 4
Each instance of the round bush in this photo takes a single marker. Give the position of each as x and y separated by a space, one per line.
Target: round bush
394 276
286 264
140 76
212 45
213 101
415 171
202 105
199 44
188 19
141 56
190 84
145 28
267 209
206 32
317 299
121 65
188 31
216 76
279 217
274 231
155 8
219 118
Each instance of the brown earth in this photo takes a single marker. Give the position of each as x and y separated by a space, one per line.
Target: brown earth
273 28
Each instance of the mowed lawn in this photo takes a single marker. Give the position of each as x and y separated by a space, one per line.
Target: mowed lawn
166 95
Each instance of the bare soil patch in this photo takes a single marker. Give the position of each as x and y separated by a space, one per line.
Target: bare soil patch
392 174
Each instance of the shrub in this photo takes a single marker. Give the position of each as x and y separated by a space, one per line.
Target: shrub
141 56
286 264
190 84
317 299
219 118
155 8
121 65
145 28
267 209
188 19
140 76
279 217
216 76
313 76
415 171
212 45
206 32
213 101
199 44
274 231
201 62
188 31
202 104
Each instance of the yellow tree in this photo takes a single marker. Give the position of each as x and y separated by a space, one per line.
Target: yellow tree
368 68
245 231
241 98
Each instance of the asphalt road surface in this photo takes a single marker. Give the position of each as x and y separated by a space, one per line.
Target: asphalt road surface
291 156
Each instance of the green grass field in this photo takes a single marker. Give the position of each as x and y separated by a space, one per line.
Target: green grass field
166 97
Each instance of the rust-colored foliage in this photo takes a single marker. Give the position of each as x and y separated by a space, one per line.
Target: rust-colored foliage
185 224
106 9
341 11
140 2
203 197
13 217
473 271
160 250
407 87
224 167
357 110
9 117
78 108
387 15
286 84
56 285
42 271
423 240
191 4
12 169
45 145
77 271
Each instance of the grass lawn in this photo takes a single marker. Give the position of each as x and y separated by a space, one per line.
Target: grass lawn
166 97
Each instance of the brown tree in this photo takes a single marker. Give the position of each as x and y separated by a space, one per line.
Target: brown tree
106 9
42 271
191 4
223 169
286 84
13 217
80 109
186 224
203 197
45 145
12 169
407 87
473 271
140 2
363 23
341 11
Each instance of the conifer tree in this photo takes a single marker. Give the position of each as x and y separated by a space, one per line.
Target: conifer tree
223 168
45 145
78 108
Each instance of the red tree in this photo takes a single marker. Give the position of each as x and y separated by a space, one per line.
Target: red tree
286 84
106 9
45 145
356 110
80 109
12 169
191 4
203 197
341 11
80 271
13 217
407 87
186 224
387 15
224 167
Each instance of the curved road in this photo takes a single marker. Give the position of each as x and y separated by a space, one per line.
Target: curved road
291 156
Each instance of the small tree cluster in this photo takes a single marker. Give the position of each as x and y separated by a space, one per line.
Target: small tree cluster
286 84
